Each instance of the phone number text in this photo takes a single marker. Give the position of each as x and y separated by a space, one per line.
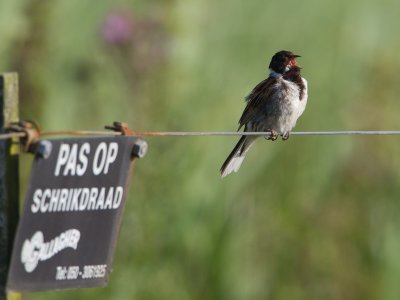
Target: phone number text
77 272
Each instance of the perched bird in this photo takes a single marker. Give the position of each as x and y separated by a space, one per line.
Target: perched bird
274 105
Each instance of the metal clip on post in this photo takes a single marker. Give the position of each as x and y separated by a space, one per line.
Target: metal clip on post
139 147
32 133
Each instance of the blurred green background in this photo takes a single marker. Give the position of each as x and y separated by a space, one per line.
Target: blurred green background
312 218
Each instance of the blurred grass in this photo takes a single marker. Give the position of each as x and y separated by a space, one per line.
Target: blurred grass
312 218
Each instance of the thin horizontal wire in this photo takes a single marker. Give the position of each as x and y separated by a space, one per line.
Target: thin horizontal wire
5 136
189 133
80 132
181 133
354 132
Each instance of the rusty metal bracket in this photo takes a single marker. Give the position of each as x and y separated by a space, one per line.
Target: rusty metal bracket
139 147
121 127
32 133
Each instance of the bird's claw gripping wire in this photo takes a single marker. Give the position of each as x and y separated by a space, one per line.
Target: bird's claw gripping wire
285 136
272 136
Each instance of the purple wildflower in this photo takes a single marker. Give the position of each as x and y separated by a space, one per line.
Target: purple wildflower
117 28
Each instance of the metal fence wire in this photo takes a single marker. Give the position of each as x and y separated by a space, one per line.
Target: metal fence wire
11 135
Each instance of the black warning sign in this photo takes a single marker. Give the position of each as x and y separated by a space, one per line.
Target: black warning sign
67 234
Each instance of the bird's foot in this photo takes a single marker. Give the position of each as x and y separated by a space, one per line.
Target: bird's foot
273 135
285 136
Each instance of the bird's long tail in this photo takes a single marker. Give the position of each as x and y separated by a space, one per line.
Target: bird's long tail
236 157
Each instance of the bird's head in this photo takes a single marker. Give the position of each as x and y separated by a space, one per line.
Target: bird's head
283 61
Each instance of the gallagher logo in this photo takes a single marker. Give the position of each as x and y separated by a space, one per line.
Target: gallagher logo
35 249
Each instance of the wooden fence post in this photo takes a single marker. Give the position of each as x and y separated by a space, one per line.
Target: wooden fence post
9 177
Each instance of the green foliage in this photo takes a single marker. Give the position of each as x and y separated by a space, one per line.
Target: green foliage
311 218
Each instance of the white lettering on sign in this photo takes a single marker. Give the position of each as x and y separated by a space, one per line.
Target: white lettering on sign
35 249
83 160
73 159
76 199
104 156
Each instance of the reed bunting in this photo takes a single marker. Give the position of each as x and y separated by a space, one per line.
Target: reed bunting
274 105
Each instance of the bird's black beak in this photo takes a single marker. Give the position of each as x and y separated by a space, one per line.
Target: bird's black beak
296 56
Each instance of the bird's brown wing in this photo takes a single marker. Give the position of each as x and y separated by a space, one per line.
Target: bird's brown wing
258 97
